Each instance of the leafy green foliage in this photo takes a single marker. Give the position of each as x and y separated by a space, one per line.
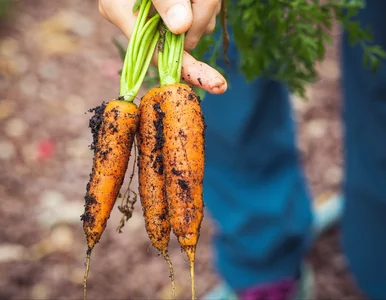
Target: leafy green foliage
284 39
5 8
120 48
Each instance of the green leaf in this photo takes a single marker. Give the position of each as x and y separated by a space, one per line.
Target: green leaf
136 6
121 49
283 39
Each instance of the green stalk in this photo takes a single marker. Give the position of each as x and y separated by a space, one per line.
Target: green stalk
168 43
140 28
166 52
147 34
173 49
147 62
170 57
139 52
131 43
180 52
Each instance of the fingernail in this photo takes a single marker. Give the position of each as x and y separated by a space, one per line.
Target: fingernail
219 86
176 17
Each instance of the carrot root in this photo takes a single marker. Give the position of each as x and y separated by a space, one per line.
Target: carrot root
88 260
167 258
128 200
192 279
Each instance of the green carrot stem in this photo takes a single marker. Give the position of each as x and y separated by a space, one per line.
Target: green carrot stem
180 52
140 30
166 52
147 63
173 49
123 83
148 34
160 65
170 58
139 52
168 42
154 20
129 51
142 16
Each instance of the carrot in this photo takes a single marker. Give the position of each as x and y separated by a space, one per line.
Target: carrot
112 151
183 149
151 175
150 171
113 139
114 133
183 154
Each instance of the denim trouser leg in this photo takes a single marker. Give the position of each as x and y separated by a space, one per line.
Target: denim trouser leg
254 187
364 221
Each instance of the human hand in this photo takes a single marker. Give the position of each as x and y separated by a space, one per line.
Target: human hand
196 18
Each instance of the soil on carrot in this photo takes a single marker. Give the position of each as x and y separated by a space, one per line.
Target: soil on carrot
159 137
96 122
56 61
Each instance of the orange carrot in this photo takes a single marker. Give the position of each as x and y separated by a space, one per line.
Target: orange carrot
112 151
151 175
183 155
183 150
113 130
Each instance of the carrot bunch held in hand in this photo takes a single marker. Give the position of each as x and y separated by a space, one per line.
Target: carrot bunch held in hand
169 128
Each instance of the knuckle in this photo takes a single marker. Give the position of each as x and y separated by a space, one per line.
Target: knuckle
218 8
191 43
210 28
100 8
213 4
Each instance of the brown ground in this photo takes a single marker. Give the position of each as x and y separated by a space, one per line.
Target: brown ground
56 61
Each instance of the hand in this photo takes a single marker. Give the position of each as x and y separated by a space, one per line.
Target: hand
180 16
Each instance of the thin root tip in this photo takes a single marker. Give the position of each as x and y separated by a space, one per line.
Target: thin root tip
192 279
87 263
169 262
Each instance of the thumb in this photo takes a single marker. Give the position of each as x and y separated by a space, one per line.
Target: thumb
177 14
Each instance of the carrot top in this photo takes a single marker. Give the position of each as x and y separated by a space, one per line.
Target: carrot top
170 51
140 50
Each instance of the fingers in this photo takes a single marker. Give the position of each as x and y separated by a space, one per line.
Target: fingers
202 75
196 73
177 14
101 10
199 74
119 12
204 13
211 26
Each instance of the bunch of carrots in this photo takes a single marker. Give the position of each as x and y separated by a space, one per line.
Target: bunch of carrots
169 128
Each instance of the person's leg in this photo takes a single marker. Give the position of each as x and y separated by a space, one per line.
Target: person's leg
254 186
364 219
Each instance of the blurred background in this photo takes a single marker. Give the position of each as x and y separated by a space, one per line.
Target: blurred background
57 60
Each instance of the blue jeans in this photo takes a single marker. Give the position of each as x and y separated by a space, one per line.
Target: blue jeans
255 189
